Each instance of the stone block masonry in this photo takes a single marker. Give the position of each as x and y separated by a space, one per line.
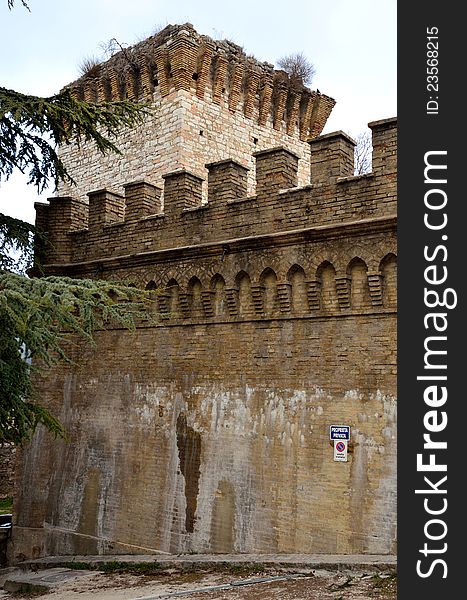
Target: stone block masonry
207 99
274 281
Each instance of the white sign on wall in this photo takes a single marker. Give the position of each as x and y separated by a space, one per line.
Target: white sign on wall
340 450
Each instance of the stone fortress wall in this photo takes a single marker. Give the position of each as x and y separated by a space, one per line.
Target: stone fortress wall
274 279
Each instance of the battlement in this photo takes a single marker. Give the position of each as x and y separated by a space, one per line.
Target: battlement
219 71
150 218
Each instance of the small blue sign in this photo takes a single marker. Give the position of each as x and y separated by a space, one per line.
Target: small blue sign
339 432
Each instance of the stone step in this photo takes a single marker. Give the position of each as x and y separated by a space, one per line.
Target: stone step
41 581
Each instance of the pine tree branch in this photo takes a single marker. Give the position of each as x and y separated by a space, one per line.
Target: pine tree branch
39 319
31 128
11 3
16 244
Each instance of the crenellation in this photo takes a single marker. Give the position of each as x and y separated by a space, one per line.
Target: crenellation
42 216
141 200
221 207
384 142
276 169
332 156
278 204
182 190
57 219
105 208
227 181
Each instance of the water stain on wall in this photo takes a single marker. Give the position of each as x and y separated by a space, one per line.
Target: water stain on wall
189 454
223 519
89 513
360 499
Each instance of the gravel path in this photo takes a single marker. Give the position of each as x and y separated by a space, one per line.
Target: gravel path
270 584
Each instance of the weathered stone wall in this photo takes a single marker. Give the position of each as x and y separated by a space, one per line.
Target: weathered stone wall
210 431
215 438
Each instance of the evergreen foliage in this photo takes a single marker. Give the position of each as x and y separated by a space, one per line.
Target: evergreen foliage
31 127
16 244
39 318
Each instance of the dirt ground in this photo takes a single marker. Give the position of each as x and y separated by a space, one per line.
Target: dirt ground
315 585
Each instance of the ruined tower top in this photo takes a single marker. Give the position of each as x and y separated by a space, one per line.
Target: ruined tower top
209 101
178 58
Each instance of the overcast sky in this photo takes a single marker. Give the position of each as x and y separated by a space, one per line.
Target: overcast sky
352 44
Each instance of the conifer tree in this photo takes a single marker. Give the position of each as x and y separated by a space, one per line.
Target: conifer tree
40 316
32 127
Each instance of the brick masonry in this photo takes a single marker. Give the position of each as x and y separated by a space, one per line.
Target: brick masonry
209 432
7 470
